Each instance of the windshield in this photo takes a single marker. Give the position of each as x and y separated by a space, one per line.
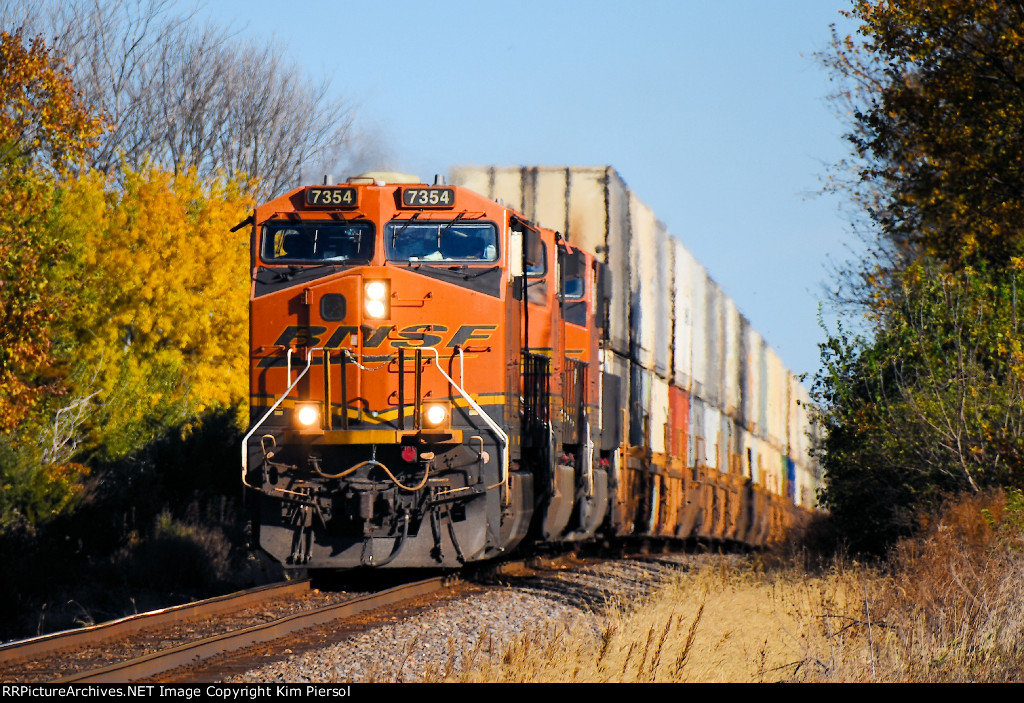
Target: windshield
317 242
441 242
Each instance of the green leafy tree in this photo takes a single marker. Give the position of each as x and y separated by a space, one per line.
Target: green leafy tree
930 399
931 403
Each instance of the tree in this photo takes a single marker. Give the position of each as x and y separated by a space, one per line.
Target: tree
936 95
185 96
45 131
122 290
931 398
932 402
45 128
43 119
160 328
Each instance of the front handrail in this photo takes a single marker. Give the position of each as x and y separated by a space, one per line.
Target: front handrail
252 431
502 436
487 418
588 461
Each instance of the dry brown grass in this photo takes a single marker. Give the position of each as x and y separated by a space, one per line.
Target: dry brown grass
947 607
718 623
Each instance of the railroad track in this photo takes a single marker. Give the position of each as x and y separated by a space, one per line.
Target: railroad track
197 640
150 644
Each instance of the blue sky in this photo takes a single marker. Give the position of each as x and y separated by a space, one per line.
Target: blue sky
714 113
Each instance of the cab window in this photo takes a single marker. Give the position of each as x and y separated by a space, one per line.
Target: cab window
317 242
440 242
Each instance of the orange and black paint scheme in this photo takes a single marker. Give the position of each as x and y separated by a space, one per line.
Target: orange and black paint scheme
430 385
425 385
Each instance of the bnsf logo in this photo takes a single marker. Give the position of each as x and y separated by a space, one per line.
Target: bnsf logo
374 337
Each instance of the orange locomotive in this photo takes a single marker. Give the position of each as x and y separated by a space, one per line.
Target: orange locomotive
424 385
431 384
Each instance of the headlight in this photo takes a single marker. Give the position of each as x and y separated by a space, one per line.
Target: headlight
376 299
308 415
435 415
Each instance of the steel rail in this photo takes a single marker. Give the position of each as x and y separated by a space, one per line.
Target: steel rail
93 634
192 652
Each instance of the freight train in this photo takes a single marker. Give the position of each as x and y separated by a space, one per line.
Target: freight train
445 373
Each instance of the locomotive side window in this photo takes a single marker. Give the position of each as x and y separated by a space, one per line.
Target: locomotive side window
317 242
574 287
536 254
441 242
573 274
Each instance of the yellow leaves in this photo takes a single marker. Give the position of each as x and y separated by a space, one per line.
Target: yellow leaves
29 289
41 114
135 274
169 281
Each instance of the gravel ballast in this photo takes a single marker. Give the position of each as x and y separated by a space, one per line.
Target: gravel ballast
441 642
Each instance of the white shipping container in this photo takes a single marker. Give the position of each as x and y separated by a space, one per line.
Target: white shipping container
477 179
686 329
588 190
771 467
733 344
661 297
697 288
589 205
617 256
697 441
546 201
778 388
642 227
649 288
750 390
713 343
508 185
659 413
713 440
682 316
728 442
794 415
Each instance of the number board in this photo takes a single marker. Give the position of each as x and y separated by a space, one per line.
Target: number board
331 196
428 197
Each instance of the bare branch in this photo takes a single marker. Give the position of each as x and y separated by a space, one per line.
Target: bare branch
186 95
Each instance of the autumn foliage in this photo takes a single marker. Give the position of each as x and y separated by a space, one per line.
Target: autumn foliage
123 303
928 398
123 294
937 101
161 321
42 117
44 130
